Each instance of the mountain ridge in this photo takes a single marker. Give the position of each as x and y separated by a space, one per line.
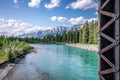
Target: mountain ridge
50 31
36 32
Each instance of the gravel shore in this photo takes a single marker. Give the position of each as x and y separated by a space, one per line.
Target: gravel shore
4 69
85 46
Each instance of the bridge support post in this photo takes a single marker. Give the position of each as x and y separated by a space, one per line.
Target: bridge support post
109 42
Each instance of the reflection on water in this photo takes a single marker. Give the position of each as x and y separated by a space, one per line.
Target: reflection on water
56 62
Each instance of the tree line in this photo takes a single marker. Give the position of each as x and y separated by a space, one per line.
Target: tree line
12 47
87 34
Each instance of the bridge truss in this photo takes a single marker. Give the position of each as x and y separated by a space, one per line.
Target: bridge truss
109 42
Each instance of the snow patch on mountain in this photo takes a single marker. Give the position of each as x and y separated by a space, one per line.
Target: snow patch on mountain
49 31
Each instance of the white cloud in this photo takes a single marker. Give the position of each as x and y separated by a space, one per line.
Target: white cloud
82 4
78 20
62 19
11 22
53 4
73 21
54 18
15 1
59 19
34 3
1 19
67 7
12 27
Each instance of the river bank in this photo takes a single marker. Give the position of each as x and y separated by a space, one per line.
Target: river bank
6 67
90 47
35 65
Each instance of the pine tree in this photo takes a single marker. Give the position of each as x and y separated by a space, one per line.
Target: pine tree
91 33
96 32
86 32
64 37
57 37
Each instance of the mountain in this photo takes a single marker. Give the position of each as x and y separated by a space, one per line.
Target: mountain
49 31
13 28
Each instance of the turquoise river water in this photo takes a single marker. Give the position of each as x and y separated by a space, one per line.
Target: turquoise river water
56 62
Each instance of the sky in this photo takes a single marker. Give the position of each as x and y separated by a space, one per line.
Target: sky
47 13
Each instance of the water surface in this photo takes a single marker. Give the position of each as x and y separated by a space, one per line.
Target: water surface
56 62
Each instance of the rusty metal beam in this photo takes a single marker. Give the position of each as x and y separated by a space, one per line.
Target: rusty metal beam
107 13
107 37
99 48
107 61
117 37
107 24
107 71
107 48
105 3
109 53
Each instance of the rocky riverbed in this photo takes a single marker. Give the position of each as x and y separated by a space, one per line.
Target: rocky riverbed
85 46
5 68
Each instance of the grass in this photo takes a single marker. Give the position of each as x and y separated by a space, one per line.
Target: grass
8 53
3 58
10 49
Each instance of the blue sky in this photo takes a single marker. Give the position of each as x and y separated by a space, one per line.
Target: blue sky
49 12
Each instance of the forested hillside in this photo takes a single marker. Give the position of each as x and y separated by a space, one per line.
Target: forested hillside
88 34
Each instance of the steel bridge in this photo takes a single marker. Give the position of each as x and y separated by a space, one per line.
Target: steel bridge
109 42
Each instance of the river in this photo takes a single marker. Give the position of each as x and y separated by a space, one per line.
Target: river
56 62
